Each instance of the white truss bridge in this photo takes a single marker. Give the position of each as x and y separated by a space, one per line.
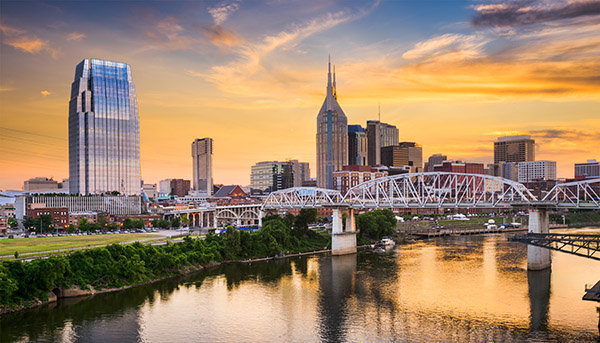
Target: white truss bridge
437 190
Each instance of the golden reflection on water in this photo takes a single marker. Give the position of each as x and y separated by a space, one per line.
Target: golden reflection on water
457 289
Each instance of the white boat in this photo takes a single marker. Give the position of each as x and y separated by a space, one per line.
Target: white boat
388 241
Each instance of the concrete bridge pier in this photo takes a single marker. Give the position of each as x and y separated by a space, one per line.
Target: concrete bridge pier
343 237
538 258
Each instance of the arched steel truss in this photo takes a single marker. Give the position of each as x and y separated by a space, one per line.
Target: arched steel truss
578 194
438 190
302 197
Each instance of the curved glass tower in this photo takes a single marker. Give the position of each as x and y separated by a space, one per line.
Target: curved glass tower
332 136
104 130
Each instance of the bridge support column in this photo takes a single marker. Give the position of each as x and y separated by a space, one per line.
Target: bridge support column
260 215
343 239
538 258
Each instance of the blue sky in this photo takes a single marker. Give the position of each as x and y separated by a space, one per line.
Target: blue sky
452 75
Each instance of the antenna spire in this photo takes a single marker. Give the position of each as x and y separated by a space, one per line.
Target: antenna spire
379 111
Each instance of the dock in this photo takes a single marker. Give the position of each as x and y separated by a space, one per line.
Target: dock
593 293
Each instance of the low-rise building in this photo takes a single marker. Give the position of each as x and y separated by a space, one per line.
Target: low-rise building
460 167
75 217
353 175
112 204
60 215
150 190
40 184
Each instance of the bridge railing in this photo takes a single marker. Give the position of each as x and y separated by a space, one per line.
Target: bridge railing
577 194
438 189
302 197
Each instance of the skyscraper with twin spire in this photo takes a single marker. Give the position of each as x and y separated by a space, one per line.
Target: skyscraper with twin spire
332 135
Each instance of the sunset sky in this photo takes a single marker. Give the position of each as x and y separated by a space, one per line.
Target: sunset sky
451 75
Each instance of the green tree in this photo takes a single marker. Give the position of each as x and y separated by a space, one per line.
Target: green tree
304 217
185 220
376 224
8 286
233 245
83 224
128 224
175 222
13 223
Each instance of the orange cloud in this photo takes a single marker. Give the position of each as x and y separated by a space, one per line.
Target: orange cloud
45 93
19 39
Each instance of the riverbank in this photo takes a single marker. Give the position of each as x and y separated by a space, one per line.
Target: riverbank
77 291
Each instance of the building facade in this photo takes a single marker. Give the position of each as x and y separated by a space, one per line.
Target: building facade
405 154
150 190
180 187
373 143
104 133
60 215
357 145
332 136
434 160
269 176
460 167
353 175
301 172
589 169
95 203
390 135
537 170
40 184
202 150
514 149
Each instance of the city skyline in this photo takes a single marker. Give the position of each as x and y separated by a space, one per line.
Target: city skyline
469 73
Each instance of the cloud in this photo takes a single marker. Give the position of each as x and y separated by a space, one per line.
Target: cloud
10 31
528 12
74 36
45 93
250 71
221 36
221 12
20 40
450 46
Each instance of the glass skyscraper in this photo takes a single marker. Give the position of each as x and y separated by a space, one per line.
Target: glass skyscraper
104 130
332 136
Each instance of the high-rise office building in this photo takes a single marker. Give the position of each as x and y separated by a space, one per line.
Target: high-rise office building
374 142
405 154
104 131
379 135
266 177
586 170
202 150
390 135
357 146
514 149
332 136
301 172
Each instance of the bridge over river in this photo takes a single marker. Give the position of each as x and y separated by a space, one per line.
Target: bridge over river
425 190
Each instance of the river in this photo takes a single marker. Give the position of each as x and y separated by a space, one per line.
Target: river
455 289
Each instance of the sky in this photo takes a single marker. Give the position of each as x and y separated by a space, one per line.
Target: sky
451 75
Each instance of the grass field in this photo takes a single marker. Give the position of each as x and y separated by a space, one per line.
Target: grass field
42 244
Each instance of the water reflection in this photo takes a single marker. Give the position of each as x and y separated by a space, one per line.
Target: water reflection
445 290
539 298
337 277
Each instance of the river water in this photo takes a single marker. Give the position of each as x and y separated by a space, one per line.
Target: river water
455 289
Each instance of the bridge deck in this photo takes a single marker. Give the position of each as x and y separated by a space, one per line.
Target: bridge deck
576 244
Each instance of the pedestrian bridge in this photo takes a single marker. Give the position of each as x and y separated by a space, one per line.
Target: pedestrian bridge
438 190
